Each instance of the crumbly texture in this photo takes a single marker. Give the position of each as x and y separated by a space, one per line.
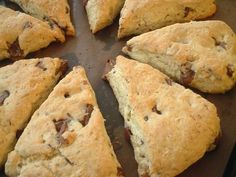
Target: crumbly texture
56 12
101 13
170 126
24 85
66 136
21 34
142 16
197 54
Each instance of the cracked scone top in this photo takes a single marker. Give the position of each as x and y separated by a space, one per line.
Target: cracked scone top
24 85
170 126
101 13
197 54
21 34
66 136
142 16
56 12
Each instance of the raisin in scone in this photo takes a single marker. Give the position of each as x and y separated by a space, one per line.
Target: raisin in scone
197 54
56 12
101 13
170 126
66 136
21 34
141 16
24 85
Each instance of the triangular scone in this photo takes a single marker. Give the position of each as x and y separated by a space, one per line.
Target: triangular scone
24 85
56 12
170 126
141 16
66 136
198 54
101 13
21 34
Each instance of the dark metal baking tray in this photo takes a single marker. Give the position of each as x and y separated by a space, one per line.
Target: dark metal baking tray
92 51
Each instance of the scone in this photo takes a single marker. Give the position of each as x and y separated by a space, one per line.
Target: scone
142 16
56 12
24 85
197 54
66 136
21 34
170 127
101 13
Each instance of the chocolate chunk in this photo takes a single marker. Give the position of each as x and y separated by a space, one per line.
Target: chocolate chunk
168 81
109 66
146 118
61 126
88 112
187 10
220 43
3 96
120 172
187 74
41 66
19 133
27 25
15 51
67 95
62 69
154 109
128 133
230 70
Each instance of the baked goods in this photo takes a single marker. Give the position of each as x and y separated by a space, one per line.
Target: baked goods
66 136
21 34
141 16
56 12
170 127
24 85
197 54
101 13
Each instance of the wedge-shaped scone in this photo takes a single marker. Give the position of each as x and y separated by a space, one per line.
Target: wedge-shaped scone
101 13
198 54
170 126
24 85
141 16
56 12
66 136
21 34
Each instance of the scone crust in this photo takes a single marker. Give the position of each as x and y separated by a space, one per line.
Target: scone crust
21 34
24 85
168 123
146 15
66 136
198 54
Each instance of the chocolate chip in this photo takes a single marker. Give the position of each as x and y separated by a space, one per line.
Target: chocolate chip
220 43
230 70
88 112
15 51
146 118
61 126
128 133
62 69
27 25
154 109
41 66
187 74
67 95
120 172
109 66
3 96
168 81
187 10
19 133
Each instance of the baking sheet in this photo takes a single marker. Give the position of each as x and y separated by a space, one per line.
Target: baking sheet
92 51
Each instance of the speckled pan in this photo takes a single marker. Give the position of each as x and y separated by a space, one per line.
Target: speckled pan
92 51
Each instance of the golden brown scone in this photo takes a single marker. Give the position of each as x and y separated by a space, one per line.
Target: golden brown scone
66 136
101 13
21 34
24 85
198 54
142 16
56 12
170 126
